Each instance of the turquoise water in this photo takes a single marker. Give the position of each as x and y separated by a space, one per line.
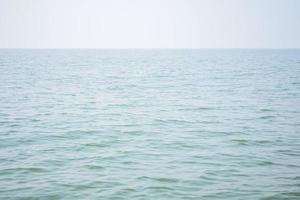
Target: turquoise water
149 124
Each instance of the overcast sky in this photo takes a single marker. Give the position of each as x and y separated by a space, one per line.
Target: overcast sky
149 23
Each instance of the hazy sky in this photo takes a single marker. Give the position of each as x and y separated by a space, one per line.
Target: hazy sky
150 23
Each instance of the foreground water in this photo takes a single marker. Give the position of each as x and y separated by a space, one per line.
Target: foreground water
149 124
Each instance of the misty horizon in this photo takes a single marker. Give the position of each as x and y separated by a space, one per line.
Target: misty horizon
132 24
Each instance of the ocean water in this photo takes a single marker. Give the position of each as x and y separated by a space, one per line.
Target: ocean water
149 124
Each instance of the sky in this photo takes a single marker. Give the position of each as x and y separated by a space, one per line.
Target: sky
149 23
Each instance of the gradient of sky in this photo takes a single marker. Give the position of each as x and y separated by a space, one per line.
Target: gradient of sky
149 23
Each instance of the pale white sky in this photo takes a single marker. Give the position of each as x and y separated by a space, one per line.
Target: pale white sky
149 23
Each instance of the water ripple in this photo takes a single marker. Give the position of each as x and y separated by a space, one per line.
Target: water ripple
149 124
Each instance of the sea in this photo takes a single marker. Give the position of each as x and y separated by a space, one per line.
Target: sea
143 124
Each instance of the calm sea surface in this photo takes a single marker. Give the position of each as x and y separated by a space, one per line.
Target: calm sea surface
149 124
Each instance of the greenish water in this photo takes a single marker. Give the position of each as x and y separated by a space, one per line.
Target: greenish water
150 124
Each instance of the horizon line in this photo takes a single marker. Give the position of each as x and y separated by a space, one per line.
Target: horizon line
148 48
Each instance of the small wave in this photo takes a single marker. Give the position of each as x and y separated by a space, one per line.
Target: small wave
267 117
175 121
285 195
241 141
94 167
265 163
266 110
197 109
23 169
165 188
166 180
160 179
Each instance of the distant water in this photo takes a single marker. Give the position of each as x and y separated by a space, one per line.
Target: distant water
149 124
